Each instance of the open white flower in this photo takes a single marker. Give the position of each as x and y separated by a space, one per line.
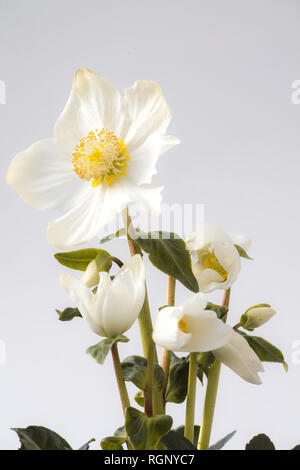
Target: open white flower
238 355
116 304
190 327
103 157
215 260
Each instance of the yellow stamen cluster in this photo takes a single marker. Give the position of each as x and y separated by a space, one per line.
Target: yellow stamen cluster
183 326
100 157
212 262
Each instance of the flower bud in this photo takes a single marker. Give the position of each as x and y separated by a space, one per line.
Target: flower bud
91 275
256 316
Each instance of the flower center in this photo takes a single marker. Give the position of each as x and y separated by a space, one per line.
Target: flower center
212 262
183 326
99 157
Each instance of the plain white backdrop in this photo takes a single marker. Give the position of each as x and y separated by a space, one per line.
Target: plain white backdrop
226 68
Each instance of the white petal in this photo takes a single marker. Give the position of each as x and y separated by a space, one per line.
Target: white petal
209 280
44 178
195 303
143 160
241 359
166 332
80 224
124 299
93 104
241 240
208 332
83 299
147 110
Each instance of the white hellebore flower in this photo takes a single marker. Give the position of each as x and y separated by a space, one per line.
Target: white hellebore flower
238 355
116 305
215 260
257 316
103 157
190 327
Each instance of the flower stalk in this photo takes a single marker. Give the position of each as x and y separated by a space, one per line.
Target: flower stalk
166 354
119 376
191 399
211 394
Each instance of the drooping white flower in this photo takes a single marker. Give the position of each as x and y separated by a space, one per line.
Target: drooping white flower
116 305
215 260
103 157
238 355
190 327
257 316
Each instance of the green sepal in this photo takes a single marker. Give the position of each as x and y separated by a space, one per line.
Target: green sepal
68 314
80 259
242 252
100 350
220 310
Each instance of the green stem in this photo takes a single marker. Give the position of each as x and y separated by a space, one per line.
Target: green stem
191 399
166 354
211 394
148 392
145 322
119 376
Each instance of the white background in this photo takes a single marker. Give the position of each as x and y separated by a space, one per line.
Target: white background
226 69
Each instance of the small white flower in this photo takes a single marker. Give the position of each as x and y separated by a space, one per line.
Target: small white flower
215 260
102 158
257 316
116 305
238 355
190 327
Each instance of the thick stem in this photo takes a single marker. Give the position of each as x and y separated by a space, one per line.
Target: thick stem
148 392
211 394
145 322
166 354
119 376
191 399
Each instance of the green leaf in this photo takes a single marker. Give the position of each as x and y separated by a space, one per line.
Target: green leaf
68 314
119 233
219 309
144 432
87 445
134 370
116 441
221 443
169 254
139 398
178 379
175 440
266 351
260 442
196 433
80 259
40 438
296 447
242 252
100 350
